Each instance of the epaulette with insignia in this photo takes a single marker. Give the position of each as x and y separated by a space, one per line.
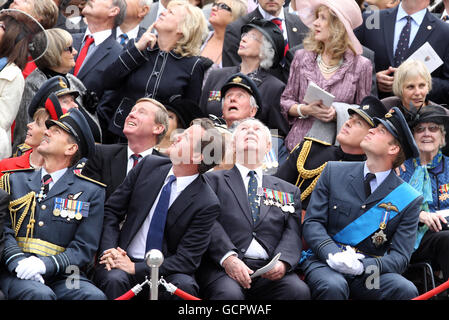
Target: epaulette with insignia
19 170
21 149
79 175
316 140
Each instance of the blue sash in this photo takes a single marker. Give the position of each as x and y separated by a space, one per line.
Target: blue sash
367 223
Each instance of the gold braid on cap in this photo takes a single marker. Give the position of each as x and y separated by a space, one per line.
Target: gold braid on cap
27 202
307 174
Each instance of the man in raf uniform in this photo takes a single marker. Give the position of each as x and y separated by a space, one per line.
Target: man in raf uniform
362 219
259 218
308 159
56 219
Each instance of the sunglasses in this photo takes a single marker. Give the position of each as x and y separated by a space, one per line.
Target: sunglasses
221 5
432 128
69 49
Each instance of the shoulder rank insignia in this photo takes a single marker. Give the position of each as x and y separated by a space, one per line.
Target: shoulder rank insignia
19 170
317 140
79 175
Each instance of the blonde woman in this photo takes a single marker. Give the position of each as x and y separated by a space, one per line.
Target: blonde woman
332 59
222 13
159 66
411 85
58 59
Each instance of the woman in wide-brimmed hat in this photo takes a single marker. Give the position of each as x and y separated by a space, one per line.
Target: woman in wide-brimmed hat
20 35
331 59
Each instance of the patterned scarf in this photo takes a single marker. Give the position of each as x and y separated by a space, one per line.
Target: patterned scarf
420 180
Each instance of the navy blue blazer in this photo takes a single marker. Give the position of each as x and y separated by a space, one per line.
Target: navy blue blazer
189 219
276 230
91 74
432 30
338 199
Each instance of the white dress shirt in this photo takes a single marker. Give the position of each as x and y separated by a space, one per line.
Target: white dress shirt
416 21
131 160
132 34
255 250
137 246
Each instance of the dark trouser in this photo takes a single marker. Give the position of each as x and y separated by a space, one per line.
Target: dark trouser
116 282
434 248
328 284
290 287
60 287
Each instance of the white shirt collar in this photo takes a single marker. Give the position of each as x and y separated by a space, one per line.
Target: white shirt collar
181 182
132 34
418 17
99 37
244 173
380 176
55 176
143 153
268 16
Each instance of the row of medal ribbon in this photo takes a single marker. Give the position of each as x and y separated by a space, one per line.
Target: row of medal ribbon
282 200
71 209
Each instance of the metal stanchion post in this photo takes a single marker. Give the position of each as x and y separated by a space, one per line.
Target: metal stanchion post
154 259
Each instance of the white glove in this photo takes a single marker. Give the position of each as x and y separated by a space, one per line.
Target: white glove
37 277
29 267
346 262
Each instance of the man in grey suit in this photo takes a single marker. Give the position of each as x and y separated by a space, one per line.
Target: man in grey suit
292 28
361 242
259 218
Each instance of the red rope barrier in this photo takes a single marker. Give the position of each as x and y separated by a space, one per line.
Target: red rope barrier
127 296
184 295
433 292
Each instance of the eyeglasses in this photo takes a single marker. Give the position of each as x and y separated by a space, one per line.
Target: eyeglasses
69 49
221 5
252 36
432 128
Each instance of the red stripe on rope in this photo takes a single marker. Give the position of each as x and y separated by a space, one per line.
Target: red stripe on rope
127 296
184 295
433 292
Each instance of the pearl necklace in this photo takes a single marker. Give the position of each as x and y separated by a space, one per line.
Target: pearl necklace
325 68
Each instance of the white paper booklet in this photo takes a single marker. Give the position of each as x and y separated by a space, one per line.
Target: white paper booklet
428 56
266 267
314 93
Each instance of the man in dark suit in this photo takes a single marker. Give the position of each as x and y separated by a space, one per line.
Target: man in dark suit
145 126
259 218
377 34
362 219
168 206
130 28
293 30
97 47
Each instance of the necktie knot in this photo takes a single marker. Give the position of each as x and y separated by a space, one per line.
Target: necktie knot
45 186
136 157
369 176
83 53
123 37
46 179
278 22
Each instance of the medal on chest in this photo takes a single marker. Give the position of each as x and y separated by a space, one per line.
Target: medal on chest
379 238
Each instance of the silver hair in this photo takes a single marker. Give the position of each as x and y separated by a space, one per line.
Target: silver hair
121 4
146 2
266 54
236 124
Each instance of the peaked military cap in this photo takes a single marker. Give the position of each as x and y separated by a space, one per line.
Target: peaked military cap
47 97
370 108
74 123
396 124
243 81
